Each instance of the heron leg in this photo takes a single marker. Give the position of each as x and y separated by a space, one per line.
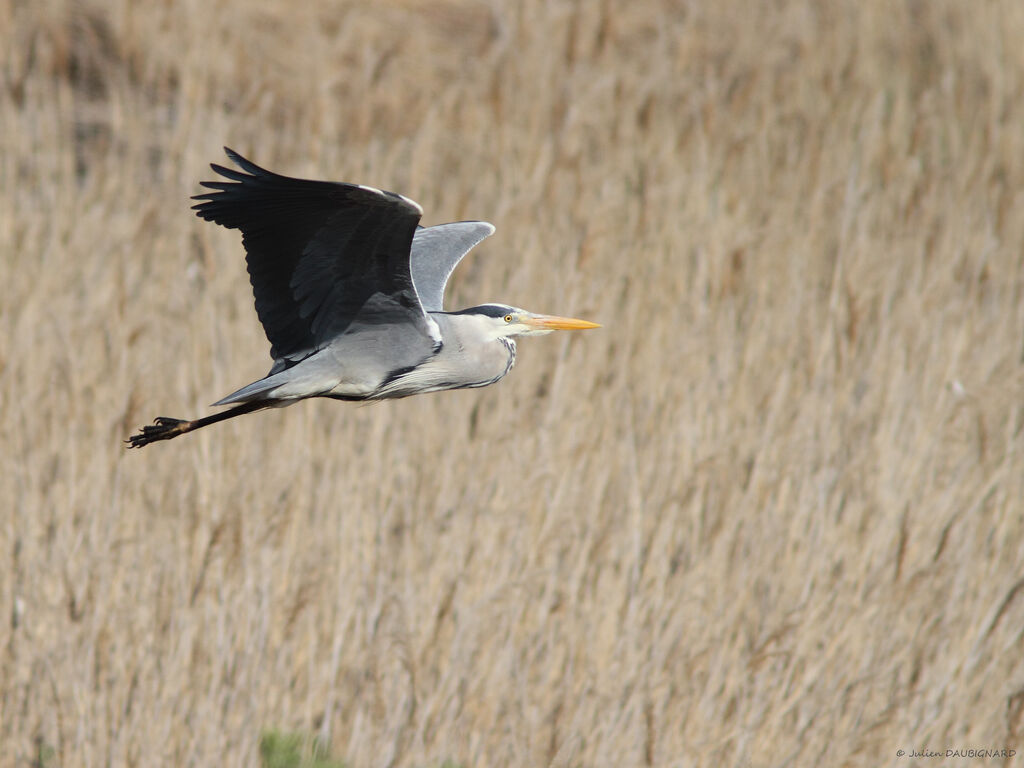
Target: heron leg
166 428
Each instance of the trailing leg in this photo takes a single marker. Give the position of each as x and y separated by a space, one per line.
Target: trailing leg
164 428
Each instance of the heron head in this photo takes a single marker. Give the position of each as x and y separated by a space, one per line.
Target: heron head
511 321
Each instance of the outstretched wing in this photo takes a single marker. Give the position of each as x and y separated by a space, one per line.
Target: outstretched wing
320 254
436 251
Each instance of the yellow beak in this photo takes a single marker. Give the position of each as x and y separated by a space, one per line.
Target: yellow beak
555 323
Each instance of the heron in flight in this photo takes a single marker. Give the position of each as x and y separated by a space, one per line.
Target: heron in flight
349 289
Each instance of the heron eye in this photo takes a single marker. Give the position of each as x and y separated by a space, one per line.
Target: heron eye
508 318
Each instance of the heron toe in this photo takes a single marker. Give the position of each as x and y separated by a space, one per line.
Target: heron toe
163 428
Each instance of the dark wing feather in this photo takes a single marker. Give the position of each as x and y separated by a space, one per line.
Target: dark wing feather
320 254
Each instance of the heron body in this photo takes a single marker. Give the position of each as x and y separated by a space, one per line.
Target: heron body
349 289
351 367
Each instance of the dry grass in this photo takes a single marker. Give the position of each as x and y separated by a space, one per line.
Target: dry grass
770 515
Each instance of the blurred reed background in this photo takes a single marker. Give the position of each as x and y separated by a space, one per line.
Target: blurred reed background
770 515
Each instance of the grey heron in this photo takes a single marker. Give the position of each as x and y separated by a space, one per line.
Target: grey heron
349 289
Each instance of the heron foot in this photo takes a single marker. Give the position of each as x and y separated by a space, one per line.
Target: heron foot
162 428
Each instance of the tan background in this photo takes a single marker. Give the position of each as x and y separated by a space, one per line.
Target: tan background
770 515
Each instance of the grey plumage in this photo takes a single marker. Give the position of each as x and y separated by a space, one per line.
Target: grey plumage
436 251
350 291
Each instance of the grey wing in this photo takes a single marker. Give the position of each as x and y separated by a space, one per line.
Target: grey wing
435 253
320 255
